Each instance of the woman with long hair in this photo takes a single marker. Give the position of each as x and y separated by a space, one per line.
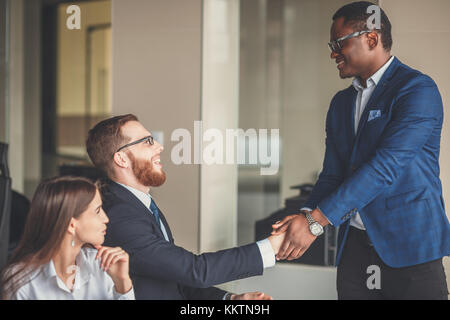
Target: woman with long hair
56 259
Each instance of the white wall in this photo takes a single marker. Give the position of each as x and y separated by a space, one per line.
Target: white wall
220 94
156 72
176 62
310 80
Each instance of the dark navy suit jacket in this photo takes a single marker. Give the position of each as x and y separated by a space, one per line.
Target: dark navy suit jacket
389 170
162 270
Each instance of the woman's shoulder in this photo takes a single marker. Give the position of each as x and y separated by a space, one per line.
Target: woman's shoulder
19 279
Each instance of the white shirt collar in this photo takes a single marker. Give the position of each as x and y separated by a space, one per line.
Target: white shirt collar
145 198
374 79
83 270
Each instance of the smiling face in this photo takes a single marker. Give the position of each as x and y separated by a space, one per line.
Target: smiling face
354 58
145 158
90 226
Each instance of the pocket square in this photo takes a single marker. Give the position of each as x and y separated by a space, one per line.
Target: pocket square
373 114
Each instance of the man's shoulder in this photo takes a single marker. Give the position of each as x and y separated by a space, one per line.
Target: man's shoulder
115 203
342 98
405 76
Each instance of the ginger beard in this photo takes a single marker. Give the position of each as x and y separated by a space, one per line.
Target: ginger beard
145 172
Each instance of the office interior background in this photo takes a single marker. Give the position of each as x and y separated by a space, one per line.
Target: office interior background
228 63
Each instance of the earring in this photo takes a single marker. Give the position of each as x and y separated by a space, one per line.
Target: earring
73 241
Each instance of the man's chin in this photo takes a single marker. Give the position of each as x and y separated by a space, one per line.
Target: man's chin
344 75
156 180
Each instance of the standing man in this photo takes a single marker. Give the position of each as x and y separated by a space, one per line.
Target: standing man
380 179
126 152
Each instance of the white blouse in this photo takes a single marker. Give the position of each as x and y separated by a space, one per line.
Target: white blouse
91 282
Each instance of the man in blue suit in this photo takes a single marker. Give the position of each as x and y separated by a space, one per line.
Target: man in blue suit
127 153
380 179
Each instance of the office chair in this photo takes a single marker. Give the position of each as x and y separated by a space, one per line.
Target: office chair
5 204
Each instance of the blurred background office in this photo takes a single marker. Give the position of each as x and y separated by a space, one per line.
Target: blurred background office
258 64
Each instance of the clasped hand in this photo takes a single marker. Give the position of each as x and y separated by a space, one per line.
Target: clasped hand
298 237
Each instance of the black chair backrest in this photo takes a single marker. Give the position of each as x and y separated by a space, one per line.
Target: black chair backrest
5 204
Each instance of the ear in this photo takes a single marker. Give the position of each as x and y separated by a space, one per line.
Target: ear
373 39
72 226
121 159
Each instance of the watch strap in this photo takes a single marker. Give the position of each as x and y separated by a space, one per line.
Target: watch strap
228 296
309 218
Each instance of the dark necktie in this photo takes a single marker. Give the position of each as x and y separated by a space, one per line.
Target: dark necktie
155 211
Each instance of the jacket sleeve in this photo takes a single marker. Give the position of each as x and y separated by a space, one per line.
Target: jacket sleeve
332 173
153 256
417 114
211 293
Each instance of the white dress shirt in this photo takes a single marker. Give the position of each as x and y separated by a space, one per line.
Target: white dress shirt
362 98
91 282
265 248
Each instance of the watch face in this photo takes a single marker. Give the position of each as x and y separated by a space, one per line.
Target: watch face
316 229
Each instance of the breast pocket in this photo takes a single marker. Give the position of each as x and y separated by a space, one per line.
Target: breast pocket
373 130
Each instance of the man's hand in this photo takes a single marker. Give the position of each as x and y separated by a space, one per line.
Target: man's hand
276 241
251 296
298 236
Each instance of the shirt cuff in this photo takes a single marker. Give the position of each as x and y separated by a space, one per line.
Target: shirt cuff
267 254
126 296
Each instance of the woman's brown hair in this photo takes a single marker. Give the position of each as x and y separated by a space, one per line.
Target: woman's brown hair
55 202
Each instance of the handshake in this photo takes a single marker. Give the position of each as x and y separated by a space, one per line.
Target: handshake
292 236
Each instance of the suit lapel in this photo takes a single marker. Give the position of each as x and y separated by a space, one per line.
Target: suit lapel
129 197
381 87
351 112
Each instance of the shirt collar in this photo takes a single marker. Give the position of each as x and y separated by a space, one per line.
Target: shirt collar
145 198
374 79
83 270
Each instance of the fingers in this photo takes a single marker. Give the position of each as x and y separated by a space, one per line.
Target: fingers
278 224
113 258
302 251
254 296
284 247
287 252
280 230
109 256
295 254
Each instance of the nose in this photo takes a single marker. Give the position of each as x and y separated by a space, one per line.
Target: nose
159 146
105 217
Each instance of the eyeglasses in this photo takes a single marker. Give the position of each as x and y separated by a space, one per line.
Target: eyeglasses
148 139
336 45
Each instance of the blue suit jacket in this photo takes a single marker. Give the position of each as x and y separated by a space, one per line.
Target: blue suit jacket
389 170
160 269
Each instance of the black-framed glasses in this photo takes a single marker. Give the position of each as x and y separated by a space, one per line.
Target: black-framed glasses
148 139
336 45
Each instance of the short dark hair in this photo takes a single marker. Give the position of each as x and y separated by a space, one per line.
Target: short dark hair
355 14
104 139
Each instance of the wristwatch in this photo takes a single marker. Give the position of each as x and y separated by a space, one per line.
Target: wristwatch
315 227
228 296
